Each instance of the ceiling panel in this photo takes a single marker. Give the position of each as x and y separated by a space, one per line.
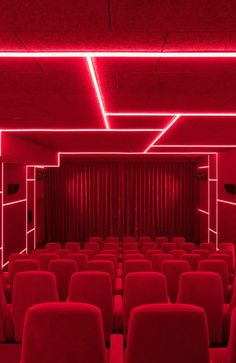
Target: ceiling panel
173 15
139 122
151 85
92 141
201 131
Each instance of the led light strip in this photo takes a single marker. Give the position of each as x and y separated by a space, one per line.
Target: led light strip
209 201
226 202
115 54
98 93
203 211
211 230
217 192
162 133
15 202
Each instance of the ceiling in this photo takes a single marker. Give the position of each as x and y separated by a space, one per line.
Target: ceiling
134 108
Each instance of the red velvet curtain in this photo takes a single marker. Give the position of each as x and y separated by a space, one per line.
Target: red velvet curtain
121 197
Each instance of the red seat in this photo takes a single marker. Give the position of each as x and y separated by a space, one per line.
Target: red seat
160 240
111 246
172 271
224 257
6 322
158 259
177 254
133 256
74 247
204 254
45 258
188 247
63 270
168 246
81 260
108 257
210 247
220 267
150 253
16 266
204 289
35 253
179 240
94 287
193 260
130 246
148 246
89 253
228 354
167 333
228 246
105 266
63 253
136 266
228 308
143 288
63 333
95 246
52 246
19 256
31 288
112 239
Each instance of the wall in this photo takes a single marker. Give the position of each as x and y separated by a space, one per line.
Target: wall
227 211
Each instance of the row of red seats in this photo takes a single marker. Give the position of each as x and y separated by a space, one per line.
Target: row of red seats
73 332
198 288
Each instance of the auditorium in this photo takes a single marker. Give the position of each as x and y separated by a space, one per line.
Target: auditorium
118 181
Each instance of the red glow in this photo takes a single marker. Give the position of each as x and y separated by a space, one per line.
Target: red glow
217 192
15 202
225 201
98 93
31 230
211 230
203 167
202 211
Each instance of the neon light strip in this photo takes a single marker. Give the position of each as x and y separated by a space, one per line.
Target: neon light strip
209 205
202 211
15 202
203 167
217 192
0 248
225 201
28 180
35 208
213 180
187 146
211 230
26 209
2 218
109 54
22 251
98 93
162 133
81 130
5 264
187 114
31 230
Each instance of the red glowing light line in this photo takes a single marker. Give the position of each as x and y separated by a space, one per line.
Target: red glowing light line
209 201
211 230
35 208
26 209
189 146
28 180
2 218
213 180
226 202
187 114
80 130
15 202
98 93
217 192
115 54
162 133
31 230
22 251
203 167
202 211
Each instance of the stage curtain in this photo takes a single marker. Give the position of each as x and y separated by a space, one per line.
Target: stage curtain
122 197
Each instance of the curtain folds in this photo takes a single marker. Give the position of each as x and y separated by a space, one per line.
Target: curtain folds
102 197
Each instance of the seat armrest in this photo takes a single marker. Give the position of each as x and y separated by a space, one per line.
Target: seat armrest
116 349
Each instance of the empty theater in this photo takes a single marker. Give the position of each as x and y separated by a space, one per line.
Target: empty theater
117 181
